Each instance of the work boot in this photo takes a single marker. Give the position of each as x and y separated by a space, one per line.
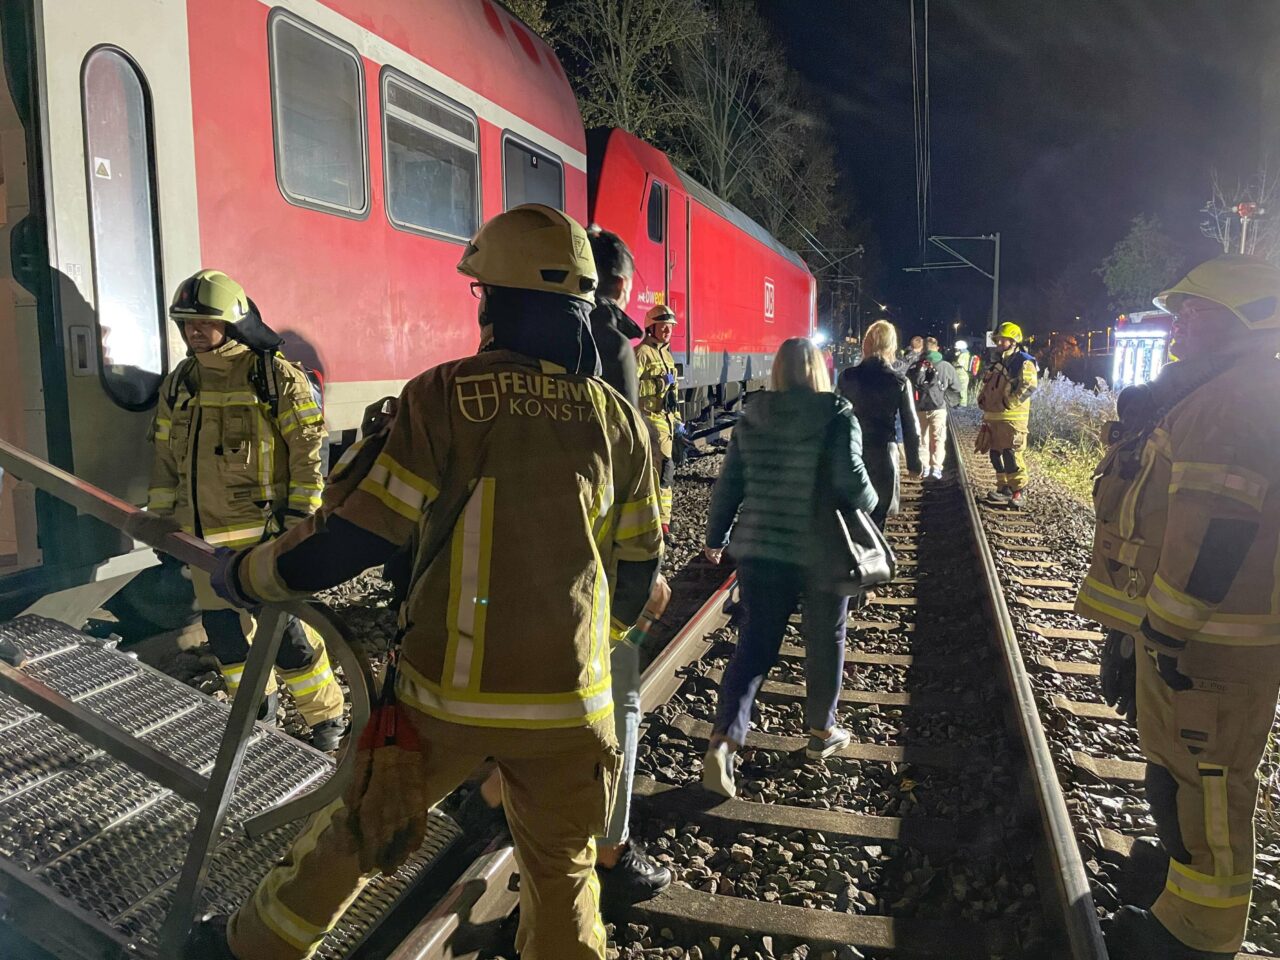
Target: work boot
267 708
999 495
1017 500
208 940
1136 934
634 878
327 734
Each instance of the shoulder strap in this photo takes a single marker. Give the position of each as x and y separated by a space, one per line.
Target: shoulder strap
181 378
266 381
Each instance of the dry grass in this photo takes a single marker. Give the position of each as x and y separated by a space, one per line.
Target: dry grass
1066 425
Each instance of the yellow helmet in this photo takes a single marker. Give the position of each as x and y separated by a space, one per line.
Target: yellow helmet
1247 286
659 314
533 247
209 295
1010 330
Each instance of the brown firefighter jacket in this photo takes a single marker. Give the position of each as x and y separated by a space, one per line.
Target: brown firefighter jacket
1007 385
225 467
1188 515
509 625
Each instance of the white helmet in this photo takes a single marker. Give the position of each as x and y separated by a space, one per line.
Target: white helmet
962 345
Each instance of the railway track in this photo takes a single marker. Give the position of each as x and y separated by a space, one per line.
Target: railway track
940 831
1041 555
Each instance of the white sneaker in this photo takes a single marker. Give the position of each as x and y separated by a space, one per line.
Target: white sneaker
936 473
717 771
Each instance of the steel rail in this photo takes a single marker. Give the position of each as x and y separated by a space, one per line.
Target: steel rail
1079 915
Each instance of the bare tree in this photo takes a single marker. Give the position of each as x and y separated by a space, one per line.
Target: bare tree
623 47
1222 222
734 88
534 15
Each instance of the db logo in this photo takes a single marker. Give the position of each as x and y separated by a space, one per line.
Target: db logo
769 299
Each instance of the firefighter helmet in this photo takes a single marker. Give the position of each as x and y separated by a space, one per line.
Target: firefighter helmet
962 345
1247 286
1010 330
209 295
532 247
659 314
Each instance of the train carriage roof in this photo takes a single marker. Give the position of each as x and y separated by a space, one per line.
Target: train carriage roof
739 219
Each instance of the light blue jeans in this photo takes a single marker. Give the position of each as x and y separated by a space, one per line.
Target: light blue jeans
624 662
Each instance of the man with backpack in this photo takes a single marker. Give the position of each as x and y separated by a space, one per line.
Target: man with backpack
934 383
1005 399
238 432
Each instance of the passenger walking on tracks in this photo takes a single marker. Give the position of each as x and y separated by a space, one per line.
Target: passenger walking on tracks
912 354
934 383
627 873
611 328
882 402
964 359
1184 576
531 484
660 401
238 434
796 448
1005 398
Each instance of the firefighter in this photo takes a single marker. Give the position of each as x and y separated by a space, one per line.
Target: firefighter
963 359
238 435
1184 577
660 401
1005 400
530 481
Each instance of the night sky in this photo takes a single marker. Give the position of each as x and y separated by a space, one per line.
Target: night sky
1054 123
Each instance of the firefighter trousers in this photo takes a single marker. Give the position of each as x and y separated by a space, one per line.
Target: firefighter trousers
662 433
302 661
557 789
1203 732
1008 453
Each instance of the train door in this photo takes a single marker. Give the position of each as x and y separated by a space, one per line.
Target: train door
96 147
677 254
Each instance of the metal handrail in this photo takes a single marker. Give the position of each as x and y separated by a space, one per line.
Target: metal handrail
212 794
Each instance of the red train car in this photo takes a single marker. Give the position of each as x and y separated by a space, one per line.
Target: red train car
737 292
334 156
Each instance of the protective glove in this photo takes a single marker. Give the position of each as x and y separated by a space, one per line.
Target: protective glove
388 799
1120 674
1167 662
982 443
225 579
669 379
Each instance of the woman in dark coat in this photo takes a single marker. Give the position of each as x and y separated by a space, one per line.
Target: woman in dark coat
881 398
795 455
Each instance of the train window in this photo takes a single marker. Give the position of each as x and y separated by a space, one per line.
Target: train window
433 161
531 175
656 210
119 157
318 104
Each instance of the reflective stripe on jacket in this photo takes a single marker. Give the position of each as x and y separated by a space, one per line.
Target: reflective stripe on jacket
1007 386
1188 526
224 467
656 369
510 623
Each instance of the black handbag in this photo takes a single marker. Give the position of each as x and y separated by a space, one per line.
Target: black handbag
859 555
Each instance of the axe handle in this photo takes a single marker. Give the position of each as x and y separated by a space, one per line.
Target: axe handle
158 532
